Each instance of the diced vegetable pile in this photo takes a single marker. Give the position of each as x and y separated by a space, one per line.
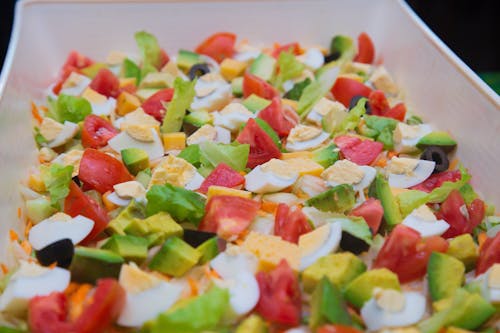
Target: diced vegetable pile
241 189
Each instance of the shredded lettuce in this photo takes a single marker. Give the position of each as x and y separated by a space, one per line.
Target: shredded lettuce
68 108
343 46
183 96
235 155
410 200
191 154
130 69
468 193
150 51
317 89
289 68
354 116
295 93
56 179
441 193
183 205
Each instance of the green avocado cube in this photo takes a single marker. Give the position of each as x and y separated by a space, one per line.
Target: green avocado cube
326 156
237 86
255 103
252 324
328 306
128 215
263 66
90 264
339 268
135 159
209 249
338 199
464 249
444 274
392 215
129 247
186 59
175 257
441 139
160 224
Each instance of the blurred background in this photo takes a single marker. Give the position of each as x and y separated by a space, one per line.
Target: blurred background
469 28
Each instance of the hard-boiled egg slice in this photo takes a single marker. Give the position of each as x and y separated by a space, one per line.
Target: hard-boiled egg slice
243 290
72 157
406 172
195 182
347 172
67 133
75 84
233 261
223 135
246 52
315 216
309 186
29 281
282 197
423 220
232 116
176 171
209 133
101 105
319 243
312 58
272 176
303 137
123 140
391 308
57 227
212 93
300 329
263 224
320 109
125 192
406 136
117 200
490 284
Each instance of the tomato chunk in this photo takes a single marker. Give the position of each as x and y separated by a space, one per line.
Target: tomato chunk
97 132
294 48
106 83
281 120
344 89
378 103
290 223
222 175
47 314
262 147
280 300
153 105
218 46
397 112
366 49
436 180
255 85
361 152
228 215
337 328
372 211
101 171
489 254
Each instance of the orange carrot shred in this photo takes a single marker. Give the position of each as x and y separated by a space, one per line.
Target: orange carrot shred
35 113
13 235
26 246
382 162
453 164
391 154
19 212
28 227
481 238
193 285
4 268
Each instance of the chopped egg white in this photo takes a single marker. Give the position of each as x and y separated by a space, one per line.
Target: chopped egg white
303 137
320 109
381 80
139 124
407 172
263 224
212 93
72 157
75 84
406 136
176 171
272 176
423 220
347 172
490 284
312 58
67 133
101 105
232 116
319 243
308 186
123 140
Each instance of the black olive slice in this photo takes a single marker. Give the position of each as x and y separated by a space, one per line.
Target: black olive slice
60 252
198 70
438 155
355 99
353 244
332 57
196 238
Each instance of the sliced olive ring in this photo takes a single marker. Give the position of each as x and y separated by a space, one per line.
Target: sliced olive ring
332 57
198 70
354 101
438 155
60 252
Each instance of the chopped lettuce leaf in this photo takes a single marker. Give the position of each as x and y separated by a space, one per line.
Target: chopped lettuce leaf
380 123
183 96
183 205
289 68
235 155
68 108
150 51
410 200
56 179
441 193
414 120
354 116
191 154
317 89
130 69
386 137
295 93
468 193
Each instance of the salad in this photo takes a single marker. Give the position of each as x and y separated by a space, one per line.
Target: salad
240 188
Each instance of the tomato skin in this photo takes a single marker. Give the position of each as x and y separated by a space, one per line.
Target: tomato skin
489 254
218 46
222 175
280 299
262 147
397 112
378 103
78 203
106 83
153 105
290 47
74 62
290 223
366 49
255 85
372 211
97 132
436 180
361 152
344 89
164 59
337 328
47 314
280 119
101 171
406 254
228 215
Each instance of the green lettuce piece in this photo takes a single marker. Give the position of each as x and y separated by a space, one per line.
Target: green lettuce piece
194 315
56 179
289 68
386 137
354 116
295 93
356 226
468 193
183 96
150 51
380 123
192 154
130 69
343 46
414 120
68 108
318 88
440 194
183 205
410 200
235 154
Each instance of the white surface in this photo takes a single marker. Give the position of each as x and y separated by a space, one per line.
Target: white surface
438 85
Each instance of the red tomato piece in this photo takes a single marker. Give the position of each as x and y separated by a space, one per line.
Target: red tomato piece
489 254
255 85
344 89
406 254
347 141
78 203
290 223
74 63
378 103
106 83
101 171
366 49
153 105
337 328
97 132
397 112
291 47
281 120
436 180
372 211
280 300
164 59
107 303
228 215
218 46
262 147
47 314
222 175
361 152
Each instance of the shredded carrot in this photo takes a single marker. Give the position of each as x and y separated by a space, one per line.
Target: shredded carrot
193 285
71 288
211 273
35 113
19 212
43 108
391 154
269 206
53 265
276 45
243 173
481 238
28 227
78 300
453 164
4 268
381 162
13 235
26 246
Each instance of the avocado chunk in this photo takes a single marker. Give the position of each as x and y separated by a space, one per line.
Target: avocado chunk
444 274
175 257
134 210
39 209
338 199
361 289
161 225
131 248
263 67
198 118
439 139
464 249
255 103
135 160
90 264
208 250
186 59
252 324
237 86
328 306
92 70
392 215
339 268
144 177
342 46
297 90
326 156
